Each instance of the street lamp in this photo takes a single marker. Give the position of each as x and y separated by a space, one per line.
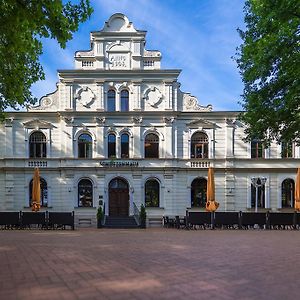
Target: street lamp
258 182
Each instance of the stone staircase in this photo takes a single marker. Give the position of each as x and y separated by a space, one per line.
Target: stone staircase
120 222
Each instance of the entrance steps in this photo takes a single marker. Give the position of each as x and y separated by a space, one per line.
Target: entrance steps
120 222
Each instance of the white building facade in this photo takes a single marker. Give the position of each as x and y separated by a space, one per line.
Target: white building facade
119 132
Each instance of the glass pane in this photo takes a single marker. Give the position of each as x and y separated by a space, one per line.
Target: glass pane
124 100
199 145
111 145
37 145
124 146
151 146
288 193
85 193
198 192
260 198
111 100
85 146
118 183
152 193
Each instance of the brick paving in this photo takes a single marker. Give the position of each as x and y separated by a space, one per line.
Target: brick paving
149 264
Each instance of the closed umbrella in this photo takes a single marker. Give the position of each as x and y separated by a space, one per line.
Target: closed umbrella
297 191
36 191
211 203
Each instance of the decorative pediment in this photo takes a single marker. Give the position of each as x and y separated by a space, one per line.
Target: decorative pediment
37 124
118 23
47 103
191 103
201 123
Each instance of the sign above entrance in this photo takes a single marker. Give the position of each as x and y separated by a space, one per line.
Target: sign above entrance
119 163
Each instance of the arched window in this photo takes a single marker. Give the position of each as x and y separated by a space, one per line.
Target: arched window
257 149
124 100
151 146
124 145
44 192
111 145
111 100
152 193
85 146
37 145
118 184
85 193
287 150
199 145
287 193
260 196
198 192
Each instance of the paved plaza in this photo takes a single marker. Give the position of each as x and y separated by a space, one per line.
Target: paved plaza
149 264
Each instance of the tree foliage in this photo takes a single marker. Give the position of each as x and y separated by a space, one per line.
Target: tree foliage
23 24
269 63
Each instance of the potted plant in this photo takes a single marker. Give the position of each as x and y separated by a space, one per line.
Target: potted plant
99 217
143 216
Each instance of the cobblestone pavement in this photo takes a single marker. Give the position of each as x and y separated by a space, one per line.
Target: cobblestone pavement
149 264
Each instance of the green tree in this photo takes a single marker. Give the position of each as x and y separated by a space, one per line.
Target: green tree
269 63
23 24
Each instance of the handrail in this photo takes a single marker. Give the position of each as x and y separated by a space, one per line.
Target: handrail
136 214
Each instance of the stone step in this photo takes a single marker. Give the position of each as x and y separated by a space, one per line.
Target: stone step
120 222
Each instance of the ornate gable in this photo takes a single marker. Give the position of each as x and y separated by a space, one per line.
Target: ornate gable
191 103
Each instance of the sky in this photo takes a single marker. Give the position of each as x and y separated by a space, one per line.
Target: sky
197 36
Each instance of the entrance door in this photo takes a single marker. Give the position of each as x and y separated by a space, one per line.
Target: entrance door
118 197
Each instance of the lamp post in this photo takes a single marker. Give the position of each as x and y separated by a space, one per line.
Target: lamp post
258 182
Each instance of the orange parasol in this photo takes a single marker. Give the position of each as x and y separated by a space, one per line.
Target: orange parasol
211 203
36 191
297 191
